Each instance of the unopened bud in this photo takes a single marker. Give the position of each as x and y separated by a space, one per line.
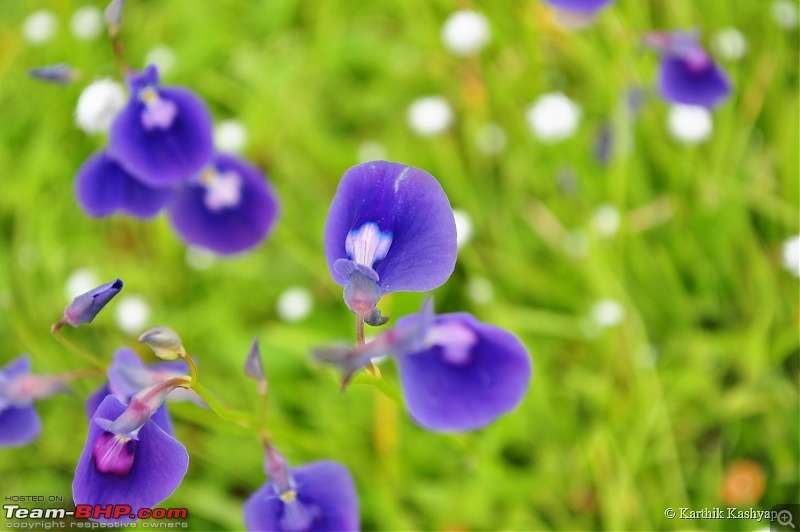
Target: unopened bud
165 343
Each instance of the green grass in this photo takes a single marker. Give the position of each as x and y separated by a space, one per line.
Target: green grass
605 438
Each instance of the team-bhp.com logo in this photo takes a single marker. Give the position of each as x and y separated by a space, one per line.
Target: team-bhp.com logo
96 511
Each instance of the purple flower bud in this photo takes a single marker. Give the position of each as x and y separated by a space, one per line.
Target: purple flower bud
116 468
86 306
103 187
688 75
113 16
229 207
165 343
19 422
390 228
314 497
253 367
164 135
62 73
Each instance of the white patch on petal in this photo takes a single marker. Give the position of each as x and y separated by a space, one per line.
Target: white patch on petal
399 179
223 190
690 124
553 117
455 339
466 32
367 244
430 116
98 105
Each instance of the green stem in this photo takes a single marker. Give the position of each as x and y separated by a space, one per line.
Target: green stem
234 416
78 350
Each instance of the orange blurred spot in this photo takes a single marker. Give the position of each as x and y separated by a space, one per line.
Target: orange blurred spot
744 483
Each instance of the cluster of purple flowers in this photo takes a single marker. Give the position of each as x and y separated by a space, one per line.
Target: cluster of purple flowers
390 228
160 155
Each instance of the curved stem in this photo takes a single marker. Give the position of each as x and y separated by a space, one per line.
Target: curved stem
192 367
222 411
77 350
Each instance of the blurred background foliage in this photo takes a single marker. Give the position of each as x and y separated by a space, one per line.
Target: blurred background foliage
696 383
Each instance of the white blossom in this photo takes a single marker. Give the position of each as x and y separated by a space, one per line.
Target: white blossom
553 117
430 115
466 32
98 105
690 124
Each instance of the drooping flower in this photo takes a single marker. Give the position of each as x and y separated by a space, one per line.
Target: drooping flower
228 207
86 306
687 73
128 375
457 373
390 228
164 134
314 497
19 422
128 458
103 187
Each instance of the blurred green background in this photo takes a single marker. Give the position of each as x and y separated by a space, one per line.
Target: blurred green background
657 409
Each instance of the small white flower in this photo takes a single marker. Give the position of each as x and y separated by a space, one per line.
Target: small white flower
490 139
294 304
463 227
230 136
465 32
162 57
690 124
606 220
200 258
791 255
371 150
785 13
98 105
729 43
80 282
480 290
430 115
132 314
87 23
40 26
607 313
553 117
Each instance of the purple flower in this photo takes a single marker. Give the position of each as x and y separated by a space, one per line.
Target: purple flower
457 373
390 228
688 75
128 458
164 134
19 422
314 497
228 207
579 6
86 306
103 187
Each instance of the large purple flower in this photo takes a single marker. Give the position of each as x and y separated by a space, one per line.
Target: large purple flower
164 133
687 74
128 459
19 422
103 187
228 207
457 373
579 6
319 496
390 228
